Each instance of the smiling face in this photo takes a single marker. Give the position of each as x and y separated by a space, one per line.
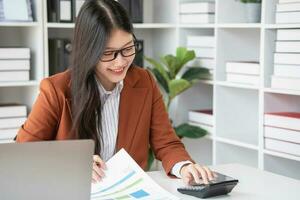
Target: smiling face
111 72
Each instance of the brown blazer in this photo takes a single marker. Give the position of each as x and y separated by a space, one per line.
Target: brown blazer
143 119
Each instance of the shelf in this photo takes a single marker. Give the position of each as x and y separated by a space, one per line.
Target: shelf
280 91
60 25
208 82
208 137
137 25
236 143
153 25
228 153
278 26
19 24
19 83
239 25
196 25
237 85
282 155
282 164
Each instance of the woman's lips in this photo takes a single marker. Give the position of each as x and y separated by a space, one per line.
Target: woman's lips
117 71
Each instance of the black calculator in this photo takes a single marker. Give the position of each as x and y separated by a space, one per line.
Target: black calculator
220 186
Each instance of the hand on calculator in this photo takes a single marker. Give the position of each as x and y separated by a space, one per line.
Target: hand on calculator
193 173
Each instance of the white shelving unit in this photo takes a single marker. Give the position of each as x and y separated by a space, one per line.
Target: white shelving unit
24 34
238 109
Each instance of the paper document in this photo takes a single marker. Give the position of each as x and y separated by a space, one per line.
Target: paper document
125 180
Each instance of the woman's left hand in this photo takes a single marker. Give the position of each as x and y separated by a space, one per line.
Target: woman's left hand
193 172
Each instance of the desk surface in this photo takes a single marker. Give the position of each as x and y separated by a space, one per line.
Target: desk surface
253 184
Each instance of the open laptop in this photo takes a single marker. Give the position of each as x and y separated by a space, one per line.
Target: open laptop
52 170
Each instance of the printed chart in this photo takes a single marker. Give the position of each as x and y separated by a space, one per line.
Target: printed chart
125 180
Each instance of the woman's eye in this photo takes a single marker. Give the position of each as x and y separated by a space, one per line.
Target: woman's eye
128 49
108 53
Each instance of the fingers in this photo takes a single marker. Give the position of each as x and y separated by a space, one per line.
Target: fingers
98 169
210 174
203 173
195 172
187 179
99 161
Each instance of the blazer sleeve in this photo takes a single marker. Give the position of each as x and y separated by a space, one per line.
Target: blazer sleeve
164 142
43 120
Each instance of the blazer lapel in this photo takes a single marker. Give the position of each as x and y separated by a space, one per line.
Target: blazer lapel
132 101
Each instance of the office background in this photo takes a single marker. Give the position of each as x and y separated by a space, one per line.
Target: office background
237 129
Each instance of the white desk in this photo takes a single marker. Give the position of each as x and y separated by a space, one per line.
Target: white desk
253 184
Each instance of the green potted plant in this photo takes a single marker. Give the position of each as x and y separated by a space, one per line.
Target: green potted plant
253 10
174 79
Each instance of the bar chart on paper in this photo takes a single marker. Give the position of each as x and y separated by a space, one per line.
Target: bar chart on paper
125 180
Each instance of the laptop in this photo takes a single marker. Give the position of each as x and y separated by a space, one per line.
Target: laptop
49 170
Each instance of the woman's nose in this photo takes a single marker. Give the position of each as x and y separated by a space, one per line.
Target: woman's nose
120 59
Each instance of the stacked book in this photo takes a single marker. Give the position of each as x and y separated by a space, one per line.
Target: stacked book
287 60
204 47
282 132
12 116
197 12
288 11
243 72
202 118
14 64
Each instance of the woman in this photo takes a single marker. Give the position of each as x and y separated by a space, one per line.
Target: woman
105 98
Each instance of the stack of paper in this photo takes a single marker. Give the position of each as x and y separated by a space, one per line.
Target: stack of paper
288 11
204 47
14 64
287 60
243 72
124 179
197 12
11 119
202 118
282 132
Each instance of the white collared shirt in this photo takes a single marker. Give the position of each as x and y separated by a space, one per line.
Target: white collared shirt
110 101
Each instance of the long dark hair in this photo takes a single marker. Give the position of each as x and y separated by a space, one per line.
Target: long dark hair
94 24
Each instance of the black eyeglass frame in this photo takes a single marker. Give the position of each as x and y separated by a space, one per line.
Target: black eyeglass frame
136 44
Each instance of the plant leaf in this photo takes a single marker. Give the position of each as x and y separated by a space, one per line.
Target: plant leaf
189 131
161 80
184 56
178 86
159 67
196 73
150 158
171 63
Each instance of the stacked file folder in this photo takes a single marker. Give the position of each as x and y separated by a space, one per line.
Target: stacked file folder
287 60
14 64
204 47
282 132
288 11
202 118
197 12
11 119
243 72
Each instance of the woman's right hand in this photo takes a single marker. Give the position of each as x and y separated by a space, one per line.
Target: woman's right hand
98 169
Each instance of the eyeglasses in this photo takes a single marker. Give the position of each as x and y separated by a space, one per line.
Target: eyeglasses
108 56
